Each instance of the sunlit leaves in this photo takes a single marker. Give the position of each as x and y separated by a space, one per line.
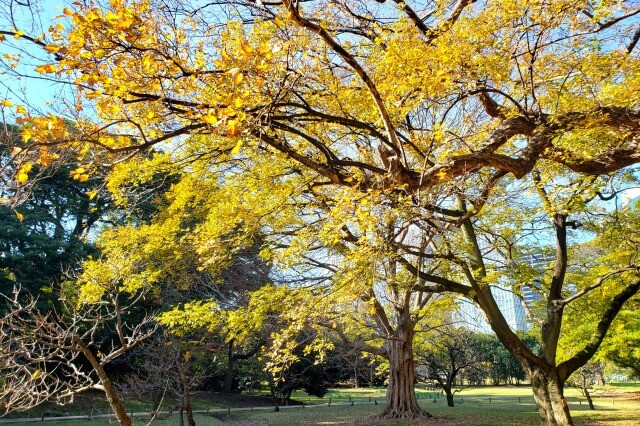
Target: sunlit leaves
192 316
46 69
80 174
23 173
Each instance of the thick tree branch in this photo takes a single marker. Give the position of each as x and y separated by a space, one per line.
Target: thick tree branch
353 63
597 284
581 358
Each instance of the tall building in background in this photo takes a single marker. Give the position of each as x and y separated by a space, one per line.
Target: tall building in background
511 304
470 316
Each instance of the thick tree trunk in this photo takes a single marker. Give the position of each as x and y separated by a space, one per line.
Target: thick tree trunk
449 397
401 396
548 392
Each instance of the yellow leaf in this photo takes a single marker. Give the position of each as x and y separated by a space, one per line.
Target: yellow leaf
210 119
35 374
236 74
21 110
232 129
23 173
236 149
94 94
6 103
246 48
51 48
18 34
92 194
79 174
22 178
26 135
46 69
2 37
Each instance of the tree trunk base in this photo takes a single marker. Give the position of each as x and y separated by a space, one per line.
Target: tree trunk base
391 413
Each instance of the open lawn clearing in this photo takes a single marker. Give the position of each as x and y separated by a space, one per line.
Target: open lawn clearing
463 414
500 405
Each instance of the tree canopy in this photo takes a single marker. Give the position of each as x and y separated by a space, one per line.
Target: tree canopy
383 150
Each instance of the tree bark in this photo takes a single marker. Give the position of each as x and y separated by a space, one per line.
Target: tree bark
548 392
401 396
449 397
228 380
110 391
355 372
186 397
589 400
599 373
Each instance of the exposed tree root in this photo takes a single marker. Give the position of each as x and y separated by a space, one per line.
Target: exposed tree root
390 413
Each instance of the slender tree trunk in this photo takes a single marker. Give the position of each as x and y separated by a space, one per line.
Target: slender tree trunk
355 372
371 376
401 396
599 373
110 391
157 394
228 381
589 400
186 397
548 392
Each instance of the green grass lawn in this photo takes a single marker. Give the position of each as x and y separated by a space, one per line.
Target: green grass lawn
503 405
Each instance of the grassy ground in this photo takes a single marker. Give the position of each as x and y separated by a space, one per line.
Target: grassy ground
504 405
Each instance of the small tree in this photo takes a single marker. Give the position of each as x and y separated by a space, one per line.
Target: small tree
36 368
42 353
448 352
584 379
173 366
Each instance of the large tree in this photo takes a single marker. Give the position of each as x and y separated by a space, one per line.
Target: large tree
369 138
45 238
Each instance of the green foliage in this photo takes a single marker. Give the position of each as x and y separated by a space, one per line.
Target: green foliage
46 237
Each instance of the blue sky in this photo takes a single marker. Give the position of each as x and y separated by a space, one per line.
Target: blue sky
22 85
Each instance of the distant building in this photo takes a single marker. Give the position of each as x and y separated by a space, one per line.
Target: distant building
511 304
531 293
630 197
